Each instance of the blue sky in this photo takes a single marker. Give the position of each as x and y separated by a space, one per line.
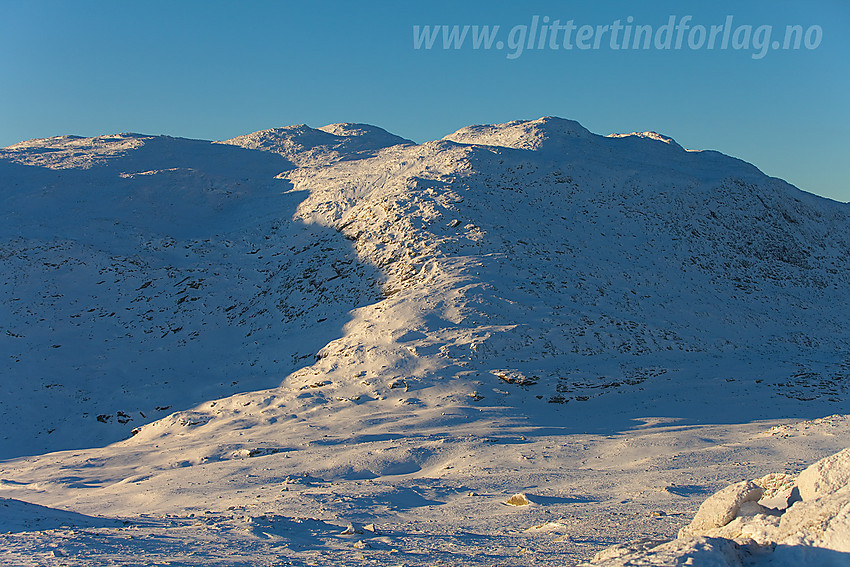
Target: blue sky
214 70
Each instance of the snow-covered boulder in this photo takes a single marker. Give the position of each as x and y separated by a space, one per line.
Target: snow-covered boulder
822 522
825 476
701 551
721 508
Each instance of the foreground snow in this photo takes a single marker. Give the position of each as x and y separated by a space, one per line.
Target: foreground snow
431 497
776 520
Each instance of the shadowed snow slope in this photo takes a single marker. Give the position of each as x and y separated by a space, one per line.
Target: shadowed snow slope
600 323
147 274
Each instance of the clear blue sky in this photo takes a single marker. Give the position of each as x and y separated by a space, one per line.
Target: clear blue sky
214 70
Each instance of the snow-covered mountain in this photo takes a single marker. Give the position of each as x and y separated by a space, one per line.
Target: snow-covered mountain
348 305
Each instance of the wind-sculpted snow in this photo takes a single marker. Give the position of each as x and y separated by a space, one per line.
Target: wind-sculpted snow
334 346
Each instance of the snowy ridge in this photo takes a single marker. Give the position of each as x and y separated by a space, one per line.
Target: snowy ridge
649 135
340 326
65 152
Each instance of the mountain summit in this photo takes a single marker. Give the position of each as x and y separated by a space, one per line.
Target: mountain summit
304 145
521 134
